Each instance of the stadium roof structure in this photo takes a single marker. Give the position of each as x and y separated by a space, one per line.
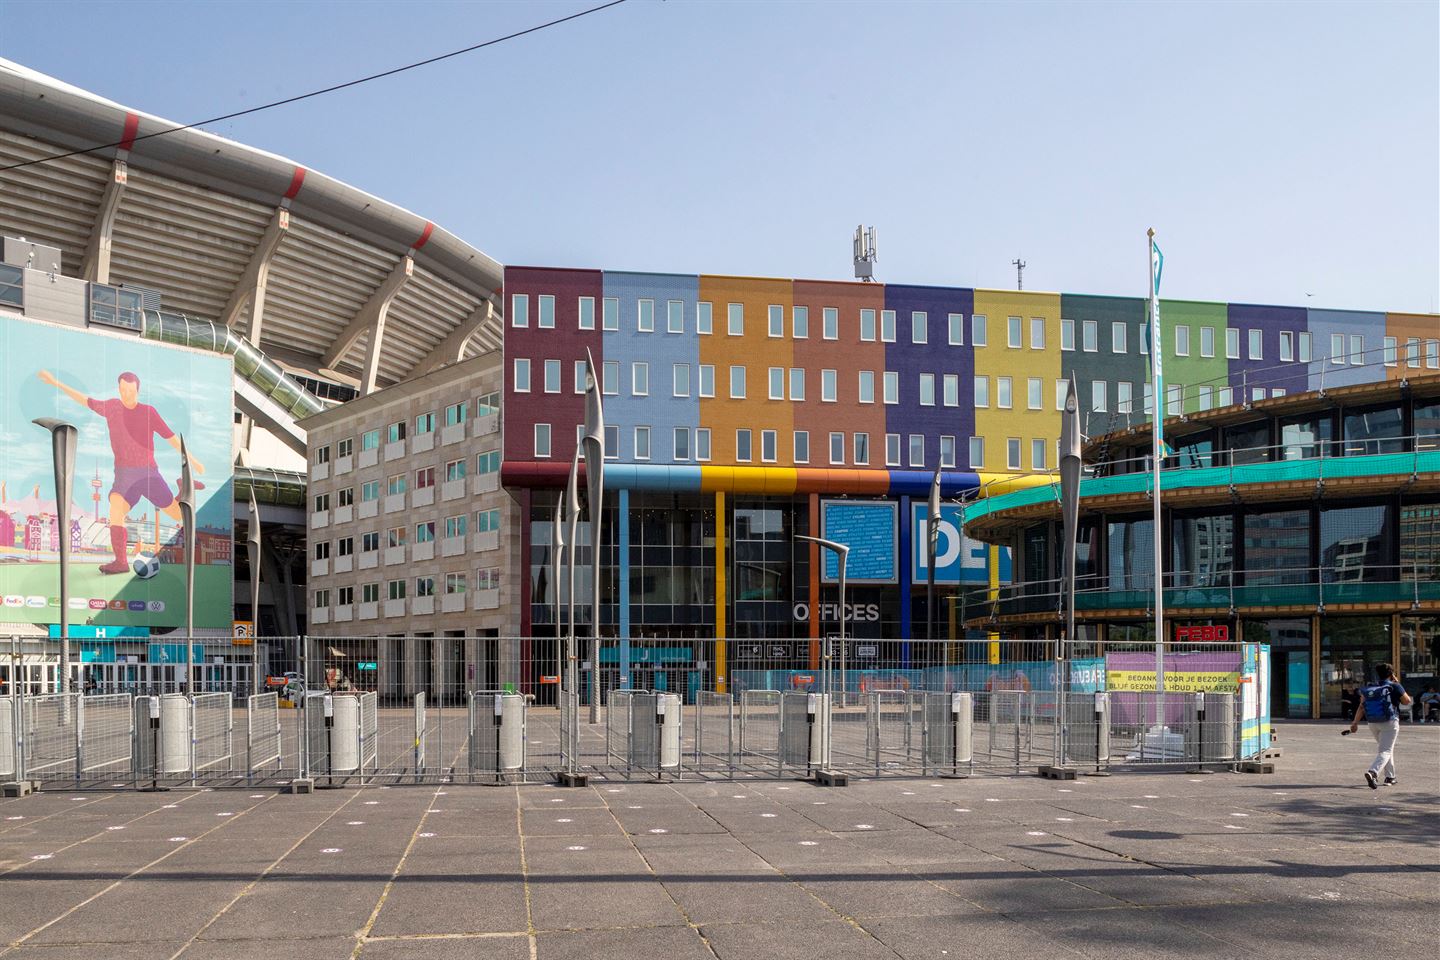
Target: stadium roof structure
337 283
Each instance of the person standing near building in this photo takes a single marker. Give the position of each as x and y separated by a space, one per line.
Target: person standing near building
1380 705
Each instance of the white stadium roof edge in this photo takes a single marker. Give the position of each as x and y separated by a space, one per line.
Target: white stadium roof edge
216 227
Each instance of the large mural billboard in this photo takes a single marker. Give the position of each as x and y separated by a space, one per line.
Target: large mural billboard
130 400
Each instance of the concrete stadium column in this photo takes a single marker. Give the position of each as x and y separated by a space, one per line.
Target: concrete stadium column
95 265
622 519
721 686
251 286
814 625
905 598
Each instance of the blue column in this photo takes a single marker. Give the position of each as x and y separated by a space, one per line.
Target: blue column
905 582
623 518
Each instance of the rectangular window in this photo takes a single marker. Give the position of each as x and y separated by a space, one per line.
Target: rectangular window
837 448
369 491
1392 354
424 477
1304 347
586 313
1232 343
640 379
1257 394
425 532
370 440
680 379
642 443
1257 351
1432 354
892 449
369 542
395 432
830 323
828 386
802 446
370 593
455 470
982 391
346 447
1062 389
702 443
1089 336
645 316
776 316
1124 396
867 324
1034 393
579 376
735 319
1012 453
1412 351
425 423
1357 349
487 405
1182 341
950 390
862 449
797 383
1174 399
345 497
919 327
454 583
1207 398
610 378
956 323
927 389
947 452
1337 348
1037 454
866 387
682 443
552 376
542 439
800 323
522 375
704 318
546 320
610 314
345 546
1037 333
777 383
977 452
396 589
674 316
322 599
612 439
979 337
520 310
887 326
395 485
1003 398
487 462
424 586
397 537
917 450
1099 395
1227 396
1119 337
322 550
1012 333
1287 346
707 380
742 445
1148 398
1207 341
892 386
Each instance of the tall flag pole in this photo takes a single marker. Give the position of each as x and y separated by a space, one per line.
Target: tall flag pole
1157 448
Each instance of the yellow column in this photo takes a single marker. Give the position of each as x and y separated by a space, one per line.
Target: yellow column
992 564
720 664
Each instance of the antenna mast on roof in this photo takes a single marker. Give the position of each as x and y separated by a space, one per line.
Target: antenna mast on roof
865 254
1019 273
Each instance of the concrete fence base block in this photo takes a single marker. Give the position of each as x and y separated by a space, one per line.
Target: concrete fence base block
830 778
1058 773
17 788
567 779
302 786
1257 766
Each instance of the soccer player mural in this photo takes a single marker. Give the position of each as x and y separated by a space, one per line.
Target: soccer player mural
131 400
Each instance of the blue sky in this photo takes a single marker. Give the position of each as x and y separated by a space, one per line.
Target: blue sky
1279 150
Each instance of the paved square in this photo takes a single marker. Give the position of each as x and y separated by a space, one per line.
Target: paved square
1305 863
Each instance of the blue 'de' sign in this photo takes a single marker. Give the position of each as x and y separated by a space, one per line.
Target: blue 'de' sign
869 529
958 559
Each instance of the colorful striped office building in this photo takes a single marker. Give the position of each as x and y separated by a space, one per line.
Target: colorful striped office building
742 411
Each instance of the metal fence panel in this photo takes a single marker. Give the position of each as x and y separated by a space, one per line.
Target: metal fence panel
212 731
715 732
52 736
107 732
262 731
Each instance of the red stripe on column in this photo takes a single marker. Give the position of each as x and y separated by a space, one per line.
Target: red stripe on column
297 179
132 127
424 236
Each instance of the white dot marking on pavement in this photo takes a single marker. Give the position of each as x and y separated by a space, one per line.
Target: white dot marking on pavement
817 803
782 788
114 828
355 823
1139 806
42 856
768 815
1233 826
1151 796
427 834
170 806
257 796
563 820
737 796
808 843
864 826
992 799
575 848
226 813
659 830
1065 819
1034 833
1239 814
331 850
14 818
557 799
371 803
1066 790
178 839
613 790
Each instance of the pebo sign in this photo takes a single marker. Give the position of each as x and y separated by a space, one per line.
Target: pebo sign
1219 633
854 612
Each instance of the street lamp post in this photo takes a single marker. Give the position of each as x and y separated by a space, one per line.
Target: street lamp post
187 517
62 445
594 443
253 546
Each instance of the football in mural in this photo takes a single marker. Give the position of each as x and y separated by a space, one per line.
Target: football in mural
145 565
